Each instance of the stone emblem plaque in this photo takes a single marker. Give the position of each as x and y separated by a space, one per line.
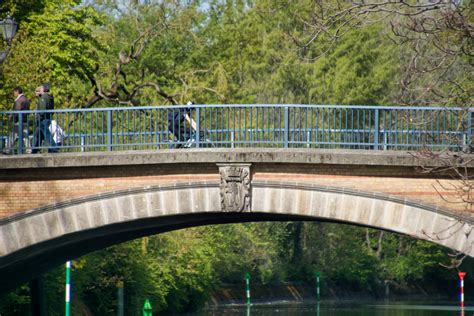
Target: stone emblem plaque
235 187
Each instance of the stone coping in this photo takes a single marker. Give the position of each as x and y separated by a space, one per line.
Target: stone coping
226 155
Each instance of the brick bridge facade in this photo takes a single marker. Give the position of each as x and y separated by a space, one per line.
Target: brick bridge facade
57 207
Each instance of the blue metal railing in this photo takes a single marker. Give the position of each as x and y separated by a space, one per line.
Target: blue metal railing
288 126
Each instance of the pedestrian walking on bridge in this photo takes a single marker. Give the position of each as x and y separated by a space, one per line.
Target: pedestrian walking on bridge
42 133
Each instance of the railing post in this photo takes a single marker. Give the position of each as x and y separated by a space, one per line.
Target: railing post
376 129
287 127
109 130
198 126
20 133
232 139
468 142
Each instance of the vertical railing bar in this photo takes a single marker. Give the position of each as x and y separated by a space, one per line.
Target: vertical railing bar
109 130
407 129
96 134
257 126
383 133
154 121
198 126
234 111
376 129
438 127
307 136
458 141
346 128
20 133
286 130
323 131
363 128
238 118
359 129
252 129
87 129
334 140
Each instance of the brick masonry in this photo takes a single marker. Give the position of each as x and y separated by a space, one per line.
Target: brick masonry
30 182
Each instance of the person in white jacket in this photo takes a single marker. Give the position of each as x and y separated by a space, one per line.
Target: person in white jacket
57 132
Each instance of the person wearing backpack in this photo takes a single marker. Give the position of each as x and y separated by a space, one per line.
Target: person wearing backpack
57 132
177 125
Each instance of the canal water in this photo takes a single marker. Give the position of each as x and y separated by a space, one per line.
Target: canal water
336 308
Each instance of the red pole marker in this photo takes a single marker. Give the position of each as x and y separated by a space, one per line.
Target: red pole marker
461 276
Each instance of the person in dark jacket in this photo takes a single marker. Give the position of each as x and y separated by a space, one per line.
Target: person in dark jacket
177 125
42 133
21 104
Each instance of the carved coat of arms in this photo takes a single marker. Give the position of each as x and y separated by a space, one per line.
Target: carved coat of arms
235 187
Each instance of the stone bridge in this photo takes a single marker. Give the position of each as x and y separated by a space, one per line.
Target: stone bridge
57 207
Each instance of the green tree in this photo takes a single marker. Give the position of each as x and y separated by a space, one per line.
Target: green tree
56 45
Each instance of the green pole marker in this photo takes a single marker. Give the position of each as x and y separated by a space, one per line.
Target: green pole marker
68 287
318 290
120 307
147 308
247 283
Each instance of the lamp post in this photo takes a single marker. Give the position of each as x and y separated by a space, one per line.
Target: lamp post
8 26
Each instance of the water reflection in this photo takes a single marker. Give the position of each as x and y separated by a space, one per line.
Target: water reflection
334 308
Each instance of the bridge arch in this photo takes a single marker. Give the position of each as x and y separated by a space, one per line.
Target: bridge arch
39 239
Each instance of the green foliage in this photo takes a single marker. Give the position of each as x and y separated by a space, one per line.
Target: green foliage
232 52
55 45
16 303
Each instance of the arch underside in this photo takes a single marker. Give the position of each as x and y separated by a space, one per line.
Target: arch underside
36 241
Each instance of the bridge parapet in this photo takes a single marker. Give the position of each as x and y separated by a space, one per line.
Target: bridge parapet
232 126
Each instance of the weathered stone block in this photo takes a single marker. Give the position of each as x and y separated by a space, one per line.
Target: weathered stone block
54 224
274 200
125 208
377 216
96 213
411 217
81 215
155 203
183 201
213 199
287 201
10 238
258 204
303 202
32 230
110 211
347 207
68 219
318 203
426 221
332 205
140 205
170 201
363 210
3 246
393 215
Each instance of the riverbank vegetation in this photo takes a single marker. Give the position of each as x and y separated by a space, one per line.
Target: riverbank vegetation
179 271
99 53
